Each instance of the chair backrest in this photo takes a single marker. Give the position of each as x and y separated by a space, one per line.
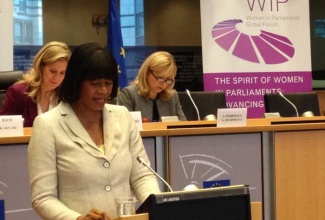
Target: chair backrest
304 101
7 78
206 102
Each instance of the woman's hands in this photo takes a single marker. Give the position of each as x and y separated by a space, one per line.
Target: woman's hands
95 214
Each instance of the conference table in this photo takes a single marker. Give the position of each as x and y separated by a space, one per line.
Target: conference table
281 159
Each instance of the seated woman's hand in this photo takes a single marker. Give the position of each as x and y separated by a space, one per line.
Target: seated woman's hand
95 214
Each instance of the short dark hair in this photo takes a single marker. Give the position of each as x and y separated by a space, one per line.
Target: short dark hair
88 61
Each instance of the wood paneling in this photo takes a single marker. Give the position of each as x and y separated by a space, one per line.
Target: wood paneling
299 175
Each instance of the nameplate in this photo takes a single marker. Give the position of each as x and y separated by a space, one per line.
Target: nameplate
272 115
231 117
136 115
169 118
11 125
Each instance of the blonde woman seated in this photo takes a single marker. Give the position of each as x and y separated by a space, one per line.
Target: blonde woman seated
152 91
37 92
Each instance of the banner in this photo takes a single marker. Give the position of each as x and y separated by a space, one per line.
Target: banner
253 47
115 41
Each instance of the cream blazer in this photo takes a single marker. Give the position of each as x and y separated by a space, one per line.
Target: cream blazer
69 175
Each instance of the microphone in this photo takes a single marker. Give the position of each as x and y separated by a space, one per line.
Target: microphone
197 111
280 93
141 161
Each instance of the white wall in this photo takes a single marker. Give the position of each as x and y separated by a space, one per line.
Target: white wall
6 35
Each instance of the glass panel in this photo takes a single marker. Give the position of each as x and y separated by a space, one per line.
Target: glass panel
132 22
127 7
128 36
138 6
28 22
127 21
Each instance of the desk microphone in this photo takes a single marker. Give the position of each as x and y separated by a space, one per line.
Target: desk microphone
280 93
141 161
197 111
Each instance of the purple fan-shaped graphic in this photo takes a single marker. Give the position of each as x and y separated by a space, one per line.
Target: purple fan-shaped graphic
268 48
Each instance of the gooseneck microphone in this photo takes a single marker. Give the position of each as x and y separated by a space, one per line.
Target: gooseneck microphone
141 161
280 93
197 111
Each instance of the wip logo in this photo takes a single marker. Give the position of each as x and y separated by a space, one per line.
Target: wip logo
199 168
265 48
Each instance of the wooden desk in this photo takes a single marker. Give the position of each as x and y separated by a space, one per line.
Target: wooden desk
293 154
207 127
17 139
256 210
285 171
299 174
143 216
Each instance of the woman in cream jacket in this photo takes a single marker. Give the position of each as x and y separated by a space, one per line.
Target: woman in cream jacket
83 153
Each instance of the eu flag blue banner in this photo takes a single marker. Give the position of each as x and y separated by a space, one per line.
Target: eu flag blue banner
115 41
2 210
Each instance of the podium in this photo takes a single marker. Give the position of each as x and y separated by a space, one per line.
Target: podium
256 211
232 202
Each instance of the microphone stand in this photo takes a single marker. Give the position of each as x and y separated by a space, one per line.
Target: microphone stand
197 110
280 93
141 161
